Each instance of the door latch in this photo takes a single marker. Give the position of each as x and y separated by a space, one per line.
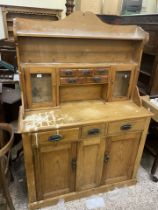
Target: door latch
106 157
73 164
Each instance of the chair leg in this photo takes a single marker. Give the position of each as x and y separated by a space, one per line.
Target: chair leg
153 170
5 188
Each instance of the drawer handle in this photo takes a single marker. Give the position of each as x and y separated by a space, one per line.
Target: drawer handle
55 137
68 72
94 131
97 79
86 72
102 71
72 81
126 127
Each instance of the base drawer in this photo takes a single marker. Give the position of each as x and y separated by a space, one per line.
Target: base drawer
126 126
93 130
63 135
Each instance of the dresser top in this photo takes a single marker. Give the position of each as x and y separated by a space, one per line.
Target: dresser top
77 25
80 113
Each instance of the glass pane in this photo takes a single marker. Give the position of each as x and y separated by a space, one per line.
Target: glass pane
41 88
121 83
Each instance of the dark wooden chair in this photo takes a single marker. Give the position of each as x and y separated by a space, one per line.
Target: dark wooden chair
152 146
5 147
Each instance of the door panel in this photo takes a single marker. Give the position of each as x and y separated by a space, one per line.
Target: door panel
121 152
41 89
121 82
53 166
90 163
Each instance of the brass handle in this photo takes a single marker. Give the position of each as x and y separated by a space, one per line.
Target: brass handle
86 72
93 131
106 157
73 164
55 137
72 81
102 71
97 79
126 127
68 72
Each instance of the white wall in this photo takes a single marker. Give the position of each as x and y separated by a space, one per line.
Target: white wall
48 4
94 6
112 7
2 35
149 6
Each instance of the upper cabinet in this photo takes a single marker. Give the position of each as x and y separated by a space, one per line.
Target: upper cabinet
77 58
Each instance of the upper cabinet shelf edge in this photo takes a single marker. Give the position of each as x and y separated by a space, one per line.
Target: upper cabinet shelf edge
78 25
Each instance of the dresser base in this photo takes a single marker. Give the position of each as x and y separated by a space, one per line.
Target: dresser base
80 194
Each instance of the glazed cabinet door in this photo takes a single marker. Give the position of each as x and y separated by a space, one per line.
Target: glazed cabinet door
41 87
89 163
121 83
55 166
120 156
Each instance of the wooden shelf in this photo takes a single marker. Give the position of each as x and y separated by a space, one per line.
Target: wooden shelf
149 51
142 88
145 73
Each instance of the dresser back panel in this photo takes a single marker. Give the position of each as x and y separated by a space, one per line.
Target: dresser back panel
85 92
59 50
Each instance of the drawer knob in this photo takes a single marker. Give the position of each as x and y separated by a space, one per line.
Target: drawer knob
55 137
126 127
94 131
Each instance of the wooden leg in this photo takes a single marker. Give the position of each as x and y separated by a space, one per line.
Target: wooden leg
153 170
5 188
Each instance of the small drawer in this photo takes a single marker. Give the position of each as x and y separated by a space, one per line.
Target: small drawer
101 71
72 80
85 72
126 126
97 79
68 72
93 130
64 135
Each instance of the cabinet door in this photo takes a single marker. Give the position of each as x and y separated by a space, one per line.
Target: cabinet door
121 83
40 87
120 157
89 163
54 169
